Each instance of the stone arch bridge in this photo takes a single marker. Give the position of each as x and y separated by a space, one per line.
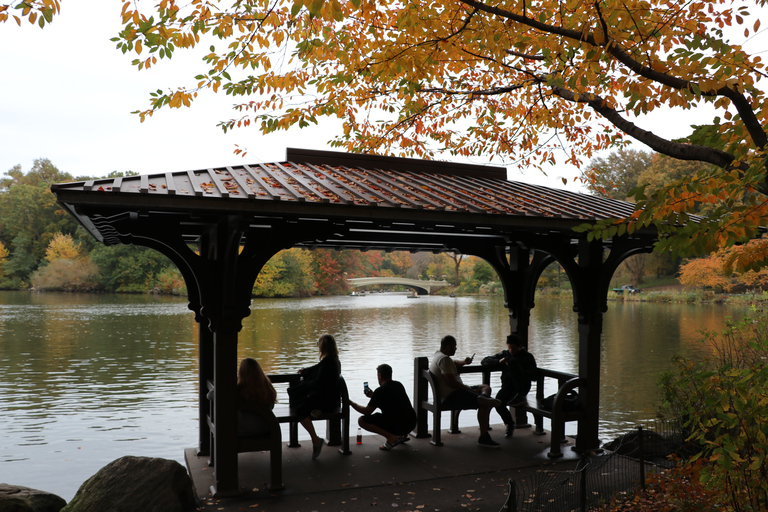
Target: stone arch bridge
421 287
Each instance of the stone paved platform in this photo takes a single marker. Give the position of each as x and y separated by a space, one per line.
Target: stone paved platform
412 476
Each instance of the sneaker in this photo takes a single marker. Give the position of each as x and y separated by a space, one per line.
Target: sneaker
486 441
316 447
488 401
517 400
510 431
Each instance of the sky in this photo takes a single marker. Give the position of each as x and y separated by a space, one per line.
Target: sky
66 94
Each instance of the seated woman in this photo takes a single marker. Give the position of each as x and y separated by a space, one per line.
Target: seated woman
253 385
318 390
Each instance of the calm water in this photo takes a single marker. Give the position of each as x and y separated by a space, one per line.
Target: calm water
85 379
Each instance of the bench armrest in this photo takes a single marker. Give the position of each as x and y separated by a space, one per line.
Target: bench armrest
563 390
562 379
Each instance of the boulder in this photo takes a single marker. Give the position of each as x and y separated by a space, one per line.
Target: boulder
15 498
655 446
136 484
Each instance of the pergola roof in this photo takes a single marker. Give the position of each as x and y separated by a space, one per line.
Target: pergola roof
382 202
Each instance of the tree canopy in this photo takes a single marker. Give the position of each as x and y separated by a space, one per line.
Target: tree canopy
519 81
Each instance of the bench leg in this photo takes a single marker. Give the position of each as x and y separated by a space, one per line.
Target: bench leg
333 431
558 436
293 434
276 464
422 423
539 420
455 422
344 450
436 438
521 418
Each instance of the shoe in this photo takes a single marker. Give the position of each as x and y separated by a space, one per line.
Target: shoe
316 447
488 401
517 400
386 446
510 431
486 441
315 413
400 440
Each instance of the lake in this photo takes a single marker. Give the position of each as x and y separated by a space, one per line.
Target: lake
88 378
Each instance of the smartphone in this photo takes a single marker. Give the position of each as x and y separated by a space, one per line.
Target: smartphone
472 358
366 389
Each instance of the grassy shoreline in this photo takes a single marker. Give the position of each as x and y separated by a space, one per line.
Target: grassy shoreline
667 294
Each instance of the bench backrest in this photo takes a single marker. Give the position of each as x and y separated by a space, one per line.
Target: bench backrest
265 441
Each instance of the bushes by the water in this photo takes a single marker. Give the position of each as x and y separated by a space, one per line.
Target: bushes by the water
722 400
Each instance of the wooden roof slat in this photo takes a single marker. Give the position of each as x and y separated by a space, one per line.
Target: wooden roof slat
237 175
258 182
358 187
194 181
283 185
392 188
334 189
218 185
305 180
521 201
385 176
143 183
368 189
459 198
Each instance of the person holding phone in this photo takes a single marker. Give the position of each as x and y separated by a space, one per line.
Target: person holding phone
518 370
457 394
397 417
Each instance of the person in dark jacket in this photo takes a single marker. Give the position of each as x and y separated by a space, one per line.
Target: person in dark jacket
397 417
518 369
318 389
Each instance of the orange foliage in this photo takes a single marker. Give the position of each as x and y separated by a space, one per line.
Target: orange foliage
517 81
714 271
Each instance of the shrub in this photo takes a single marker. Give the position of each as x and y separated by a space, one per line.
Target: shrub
66 275
722 401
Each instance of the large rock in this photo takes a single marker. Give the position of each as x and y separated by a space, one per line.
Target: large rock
655 446
136 484
15 498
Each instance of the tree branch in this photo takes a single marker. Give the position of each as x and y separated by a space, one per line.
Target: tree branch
667 147
740 102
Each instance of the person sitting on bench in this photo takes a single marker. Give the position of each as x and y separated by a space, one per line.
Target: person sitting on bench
457 394
518 369
253 385
318 389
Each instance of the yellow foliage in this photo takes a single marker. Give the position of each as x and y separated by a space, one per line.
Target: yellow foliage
3 257
63 247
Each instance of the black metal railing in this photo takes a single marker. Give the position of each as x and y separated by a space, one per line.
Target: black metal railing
622 469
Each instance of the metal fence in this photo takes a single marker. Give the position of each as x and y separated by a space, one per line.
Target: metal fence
622 468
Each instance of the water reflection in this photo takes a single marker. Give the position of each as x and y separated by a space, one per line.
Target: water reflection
85 379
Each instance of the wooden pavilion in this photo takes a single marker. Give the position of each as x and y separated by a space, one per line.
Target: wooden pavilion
221 225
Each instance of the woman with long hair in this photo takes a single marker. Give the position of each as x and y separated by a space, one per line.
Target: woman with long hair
253 385
318 390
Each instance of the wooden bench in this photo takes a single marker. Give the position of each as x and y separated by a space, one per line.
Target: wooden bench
565 382
423 383
271 442
337 428
337 421
425 386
